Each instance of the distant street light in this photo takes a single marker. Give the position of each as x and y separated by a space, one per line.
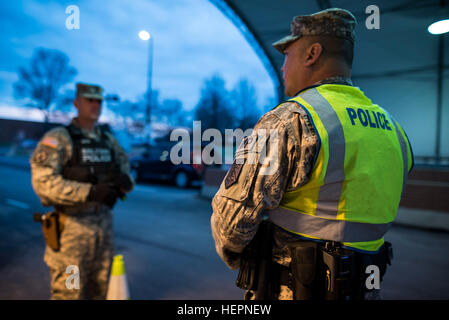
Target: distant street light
145 36
439 27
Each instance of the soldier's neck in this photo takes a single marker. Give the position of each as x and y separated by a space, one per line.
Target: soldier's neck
333 69
86 124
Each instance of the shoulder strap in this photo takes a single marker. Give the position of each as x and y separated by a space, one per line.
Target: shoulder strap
74 132
103 133
75 135
106 137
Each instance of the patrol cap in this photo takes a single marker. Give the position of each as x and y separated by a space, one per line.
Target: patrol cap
332 22
92 91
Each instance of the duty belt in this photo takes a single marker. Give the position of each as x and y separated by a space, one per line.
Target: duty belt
85 208
329 271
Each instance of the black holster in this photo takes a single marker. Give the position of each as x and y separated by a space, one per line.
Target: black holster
330 272
51 228
304 270
257 270
340 273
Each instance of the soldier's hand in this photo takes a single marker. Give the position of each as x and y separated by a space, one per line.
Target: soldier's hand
124 183
104 193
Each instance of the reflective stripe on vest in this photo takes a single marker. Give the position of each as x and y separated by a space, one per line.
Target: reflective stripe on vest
403 149
327 206
352 195
322 228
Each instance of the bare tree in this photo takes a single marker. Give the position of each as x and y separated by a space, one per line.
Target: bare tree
172 112
49 70
245 104
213 108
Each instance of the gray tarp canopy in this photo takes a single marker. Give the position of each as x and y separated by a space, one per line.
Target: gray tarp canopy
401 56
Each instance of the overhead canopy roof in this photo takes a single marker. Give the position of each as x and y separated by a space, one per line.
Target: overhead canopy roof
402 45
398 65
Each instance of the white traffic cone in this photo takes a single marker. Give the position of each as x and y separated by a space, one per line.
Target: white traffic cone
118 285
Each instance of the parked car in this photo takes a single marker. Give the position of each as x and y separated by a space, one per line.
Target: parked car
28 144
155 164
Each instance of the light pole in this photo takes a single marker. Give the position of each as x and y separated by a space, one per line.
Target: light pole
439 28
145 36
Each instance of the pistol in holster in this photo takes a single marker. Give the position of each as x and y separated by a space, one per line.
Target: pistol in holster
340 273
51 228
321 272
257 270
330 272
303 270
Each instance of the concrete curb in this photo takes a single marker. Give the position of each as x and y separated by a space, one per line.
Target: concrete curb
423 219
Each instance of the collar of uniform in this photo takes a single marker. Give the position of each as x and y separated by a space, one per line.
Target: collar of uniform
331 80
95 133
336 80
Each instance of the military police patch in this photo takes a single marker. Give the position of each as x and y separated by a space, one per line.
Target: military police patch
41 156
233 173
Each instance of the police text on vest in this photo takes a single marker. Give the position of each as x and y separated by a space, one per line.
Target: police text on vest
368 118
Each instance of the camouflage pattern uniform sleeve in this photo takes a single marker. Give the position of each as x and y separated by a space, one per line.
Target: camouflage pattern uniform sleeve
47 160
251 185
120 157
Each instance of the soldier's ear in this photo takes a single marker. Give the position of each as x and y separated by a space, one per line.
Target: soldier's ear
76 103
313 52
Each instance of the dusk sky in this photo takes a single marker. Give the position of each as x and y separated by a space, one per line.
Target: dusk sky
192 40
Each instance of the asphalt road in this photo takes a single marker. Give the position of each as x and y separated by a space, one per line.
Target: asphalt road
165 238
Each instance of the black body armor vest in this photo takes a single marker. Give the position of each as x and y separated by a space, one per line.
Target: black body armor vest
92 161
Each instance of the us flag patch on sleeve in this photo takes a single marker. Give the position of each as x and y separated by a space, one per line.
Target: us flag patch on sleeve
50 142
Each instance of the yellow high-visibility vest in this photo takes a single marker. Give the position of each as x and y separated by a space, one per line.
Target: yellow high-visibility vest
359 173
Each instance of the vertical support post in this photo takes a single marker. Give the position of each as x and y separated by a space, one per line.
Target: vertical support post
439 95
149 91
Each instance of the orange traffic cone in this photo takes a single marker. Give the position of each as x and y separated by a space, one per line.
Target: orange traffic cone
118 285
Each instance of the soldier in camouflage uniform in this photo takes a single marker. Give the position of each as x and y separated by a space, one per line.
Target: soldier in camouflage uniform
83 201
244 195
